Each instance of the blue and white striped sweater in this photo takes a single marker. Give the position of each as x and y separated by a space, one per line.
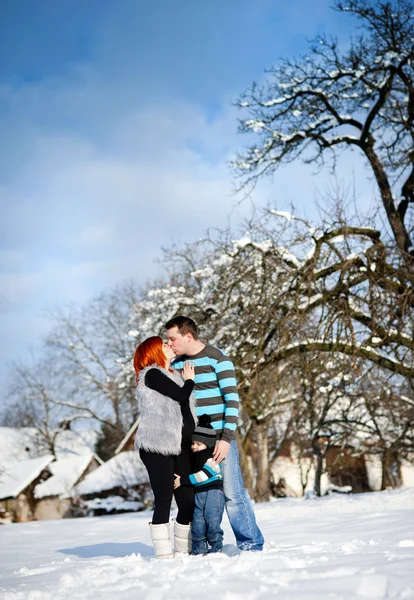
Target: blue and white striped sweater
210 473
215 389
207 474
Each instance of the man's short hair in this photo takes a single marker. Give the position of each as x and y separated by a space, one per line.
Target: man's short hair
184 324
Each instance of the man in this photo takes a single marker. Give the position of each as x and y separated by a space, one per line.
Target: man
216 395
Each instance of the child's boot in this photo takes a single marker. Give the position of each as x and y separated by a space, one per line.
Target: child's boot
161 540
182 538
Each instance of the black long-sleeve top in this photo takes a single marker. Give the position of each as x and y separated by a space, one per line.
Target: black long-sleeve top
156 380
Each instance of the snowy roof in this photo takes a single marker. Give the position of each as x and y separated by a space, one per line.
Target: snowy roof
123 470
127 437
65 473
18 476
22 451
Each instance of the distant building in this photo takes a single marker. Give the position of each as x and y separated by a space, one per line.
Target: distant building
345 469
56 497
119 485
17 484
34 484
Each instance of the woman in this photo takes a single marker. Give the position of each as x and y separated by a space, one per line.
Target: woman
167 421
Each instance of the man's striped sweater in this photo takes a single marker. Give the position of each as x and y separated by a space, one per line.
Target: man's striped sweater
215 389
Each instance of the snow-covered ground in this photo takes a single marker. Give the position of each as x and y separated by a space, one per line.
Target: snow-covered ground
339 547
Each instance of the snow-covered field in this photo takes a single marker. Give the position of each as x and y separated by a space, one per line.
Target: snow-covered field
340 547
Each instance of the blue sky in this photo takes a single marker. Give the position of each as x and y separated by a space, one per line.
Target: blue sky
116 127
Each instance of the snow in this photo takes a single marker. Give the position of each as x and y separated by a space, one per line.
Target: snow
343 547
123 470
241 243
255 125
112 503
276 100
18 476
263 246
307 302
20 462
65 473
282 213
286 255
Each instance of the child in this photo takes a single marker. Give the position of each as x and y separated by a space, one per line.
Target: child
206 533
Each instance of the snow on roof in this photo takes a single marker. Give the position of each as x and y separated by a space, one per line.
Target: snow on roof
123 470
22 450
65 474
18 476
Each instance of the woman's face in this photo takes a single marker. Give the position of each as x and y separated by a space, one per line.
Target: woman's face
168 352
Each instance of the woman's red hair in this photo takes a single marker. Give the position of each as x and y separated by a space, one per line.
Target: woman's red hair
149 352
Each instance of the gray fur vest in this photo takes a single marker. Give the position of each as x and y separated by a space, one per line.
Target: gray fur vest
160 418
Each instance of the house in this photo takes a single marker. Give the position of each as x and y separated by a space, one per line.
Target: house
293 471
17 484
119 485
56 497
35 484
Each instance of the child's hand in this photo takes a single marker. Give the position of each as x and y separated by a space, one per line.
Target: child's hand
177 481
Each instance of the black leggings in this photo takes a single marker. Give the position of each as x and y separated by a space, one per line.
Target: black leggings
161 471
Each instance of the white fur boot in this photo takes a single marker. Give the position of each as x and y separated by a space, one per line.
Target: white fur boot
182 538
161 540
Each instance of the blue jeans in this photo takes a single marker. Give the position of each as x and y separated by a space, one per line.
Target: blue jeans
206 533
238 504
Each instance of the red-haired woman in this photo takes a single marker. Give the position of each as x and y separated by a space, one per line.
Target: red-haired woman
167 421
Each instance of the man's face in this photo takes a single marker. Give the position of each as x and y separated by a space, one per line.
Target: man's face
178 342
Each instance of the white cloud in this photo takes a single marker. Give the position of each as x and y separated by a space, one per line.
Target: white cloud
98 177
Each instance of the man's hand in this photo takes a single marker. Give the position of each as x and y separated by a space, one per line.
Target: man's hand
220 451
177 481
188 371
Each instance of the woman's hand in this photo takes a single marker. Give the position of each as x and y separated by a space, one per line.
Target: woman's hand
188 371
177 481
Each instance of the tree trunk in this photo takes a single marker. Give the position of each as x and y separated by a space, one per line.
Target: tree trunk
391 471
395 217
263 490
319 466
243 448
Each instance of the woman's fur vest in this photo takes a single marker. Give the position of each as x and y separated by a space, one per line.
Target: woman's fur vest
160 418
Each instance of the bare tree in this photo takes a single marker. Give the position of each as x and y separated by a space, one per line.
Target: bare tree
93 346
360 98
329 410
284 289
266 419
35 401
388 430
